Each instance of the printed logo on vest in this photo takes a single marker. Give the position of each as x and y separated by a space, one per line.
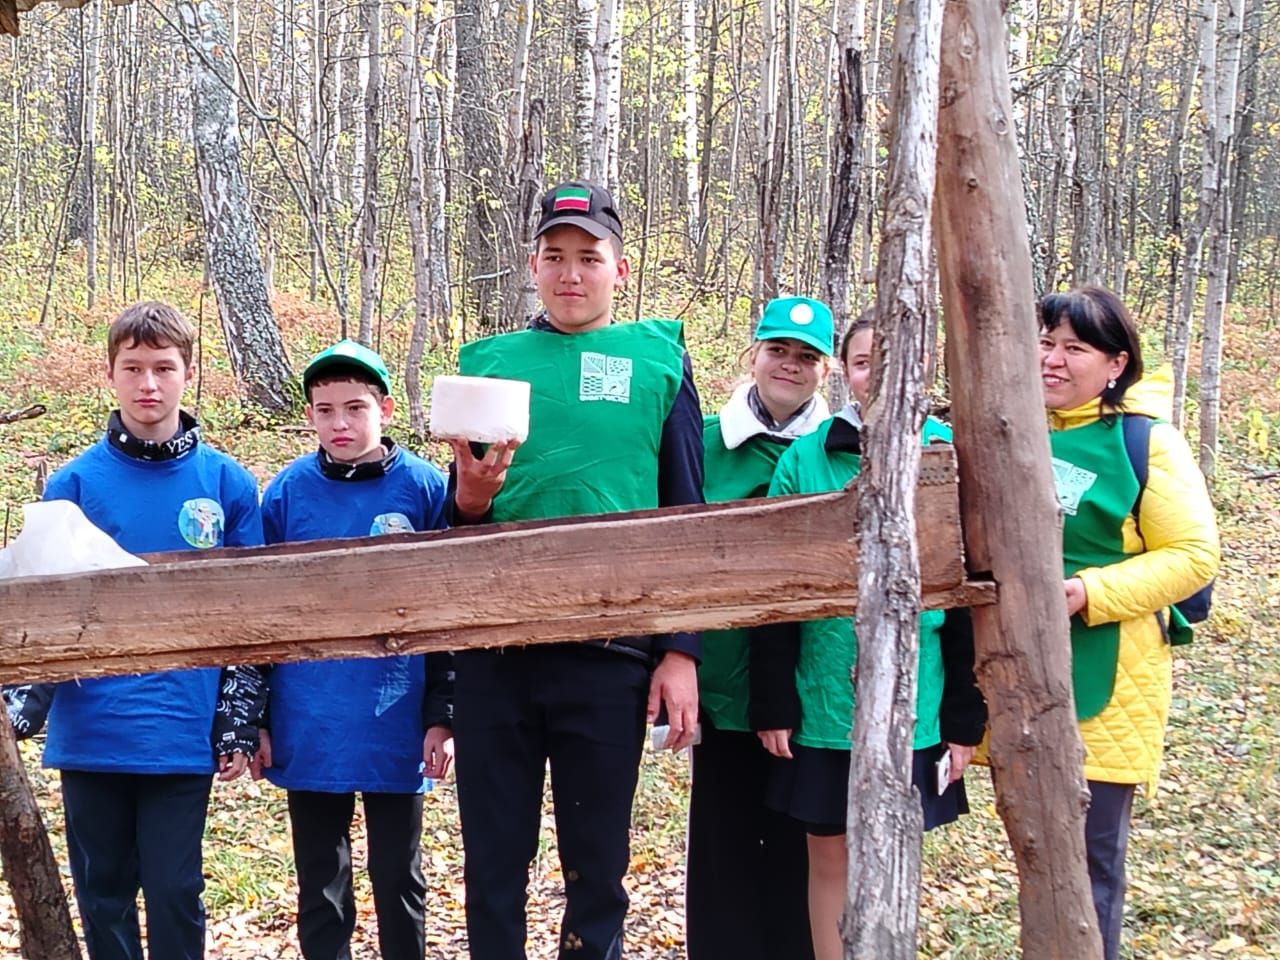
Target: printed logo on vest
201 522
605 378
390 523
1071 483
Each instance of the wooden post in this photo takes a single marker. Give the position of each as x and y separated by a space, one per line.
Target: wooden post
1006 486
29 866
884 816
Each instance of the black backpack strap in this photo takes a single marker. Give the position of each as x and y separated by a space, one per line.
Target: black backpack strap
1137 444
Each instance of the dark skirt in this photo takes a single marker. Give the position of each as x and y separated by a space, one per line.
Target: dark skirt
813 786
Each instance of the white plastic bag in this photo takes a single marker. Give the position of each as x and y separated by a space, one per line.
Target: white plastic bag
57 538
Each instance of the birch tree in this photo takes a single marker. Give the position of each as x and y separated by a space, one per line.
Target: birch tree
372 141
884 816
411 22
772 155
607 59
1218 264
519 78
1193 244
689 114
93 72
584 88
435 161
231 239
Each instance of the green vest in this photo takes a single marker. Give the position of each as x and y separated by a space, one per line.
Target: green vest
829 648
598 402
738 474
1096 488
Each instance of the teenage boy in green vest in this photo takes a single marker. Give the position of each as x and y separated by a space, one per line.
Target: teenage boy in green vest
615 424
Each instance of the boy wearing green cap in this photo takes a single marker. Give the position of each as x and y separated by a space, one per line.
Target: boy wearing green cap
372 725
747 867
614 424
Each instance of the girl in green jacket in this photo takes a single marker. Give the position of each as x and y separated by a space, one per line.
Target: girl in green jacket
810 665
745 886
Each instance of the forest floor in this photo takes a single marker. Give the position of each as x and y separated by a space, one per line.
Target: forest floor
1204 862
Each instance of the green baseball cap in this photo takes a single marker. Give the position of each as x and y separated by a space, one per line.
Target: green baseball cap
798 318
347 353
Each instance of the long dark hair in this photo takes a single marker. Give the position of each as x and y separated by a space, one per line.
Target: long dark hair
1099 318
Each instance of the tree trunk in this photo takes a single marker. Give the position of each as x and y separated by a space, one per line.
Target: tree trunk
705 149
1242 168
411 77
485 249
369 206
846 177
613 91
772 157
584 101
1006 489
231 241
1086 172
606 60
529 187
92 72
519 82
689 117
1224 92
29 867
884 815
1174 239
1194 241
434 128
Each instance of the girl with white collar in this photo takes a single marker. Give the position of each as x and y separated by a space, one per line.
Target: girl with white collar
747 864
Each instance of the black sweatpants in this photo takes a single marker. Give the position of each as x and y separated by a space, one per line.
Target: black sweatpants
1106 840
582 709
131 831
321 826
748 874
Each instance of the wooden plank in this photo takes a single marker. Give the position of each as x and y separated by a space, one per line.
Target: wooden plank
654 572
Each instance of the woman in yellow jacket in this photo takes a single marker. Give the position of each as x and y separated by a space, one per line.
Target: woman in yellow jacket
1120 579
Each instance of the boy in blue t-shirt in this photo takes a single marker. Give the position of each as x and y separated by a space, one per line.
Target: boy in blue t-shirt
137 753
373 725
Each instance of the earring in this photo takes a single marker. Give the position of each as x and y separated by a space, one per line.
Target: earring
1111 384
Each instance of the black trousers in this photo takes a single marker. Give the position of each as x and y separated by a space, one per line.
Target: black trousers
1106 840
321 825
582 709
748 875
131 831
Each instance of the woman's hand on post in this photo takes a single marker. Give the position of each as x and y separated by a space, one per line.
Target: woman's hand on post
1077 598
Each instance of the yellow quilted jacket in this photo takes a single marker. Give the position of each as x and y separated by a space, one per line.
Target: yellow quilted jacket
1125 742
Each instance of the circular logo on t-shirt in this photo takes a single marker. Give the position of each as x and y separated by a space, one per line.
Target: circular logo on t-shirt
390 523
802 314
201 522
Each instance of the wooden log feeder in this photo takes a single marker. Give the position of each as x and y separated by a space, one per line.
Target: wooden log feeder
659 571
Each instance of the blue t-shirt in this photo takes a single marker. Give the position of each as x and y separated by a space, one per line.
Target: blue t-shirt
152 722
340 726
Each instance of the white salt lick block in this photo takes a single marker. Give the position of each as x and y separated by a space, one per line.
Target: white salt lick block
483 409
